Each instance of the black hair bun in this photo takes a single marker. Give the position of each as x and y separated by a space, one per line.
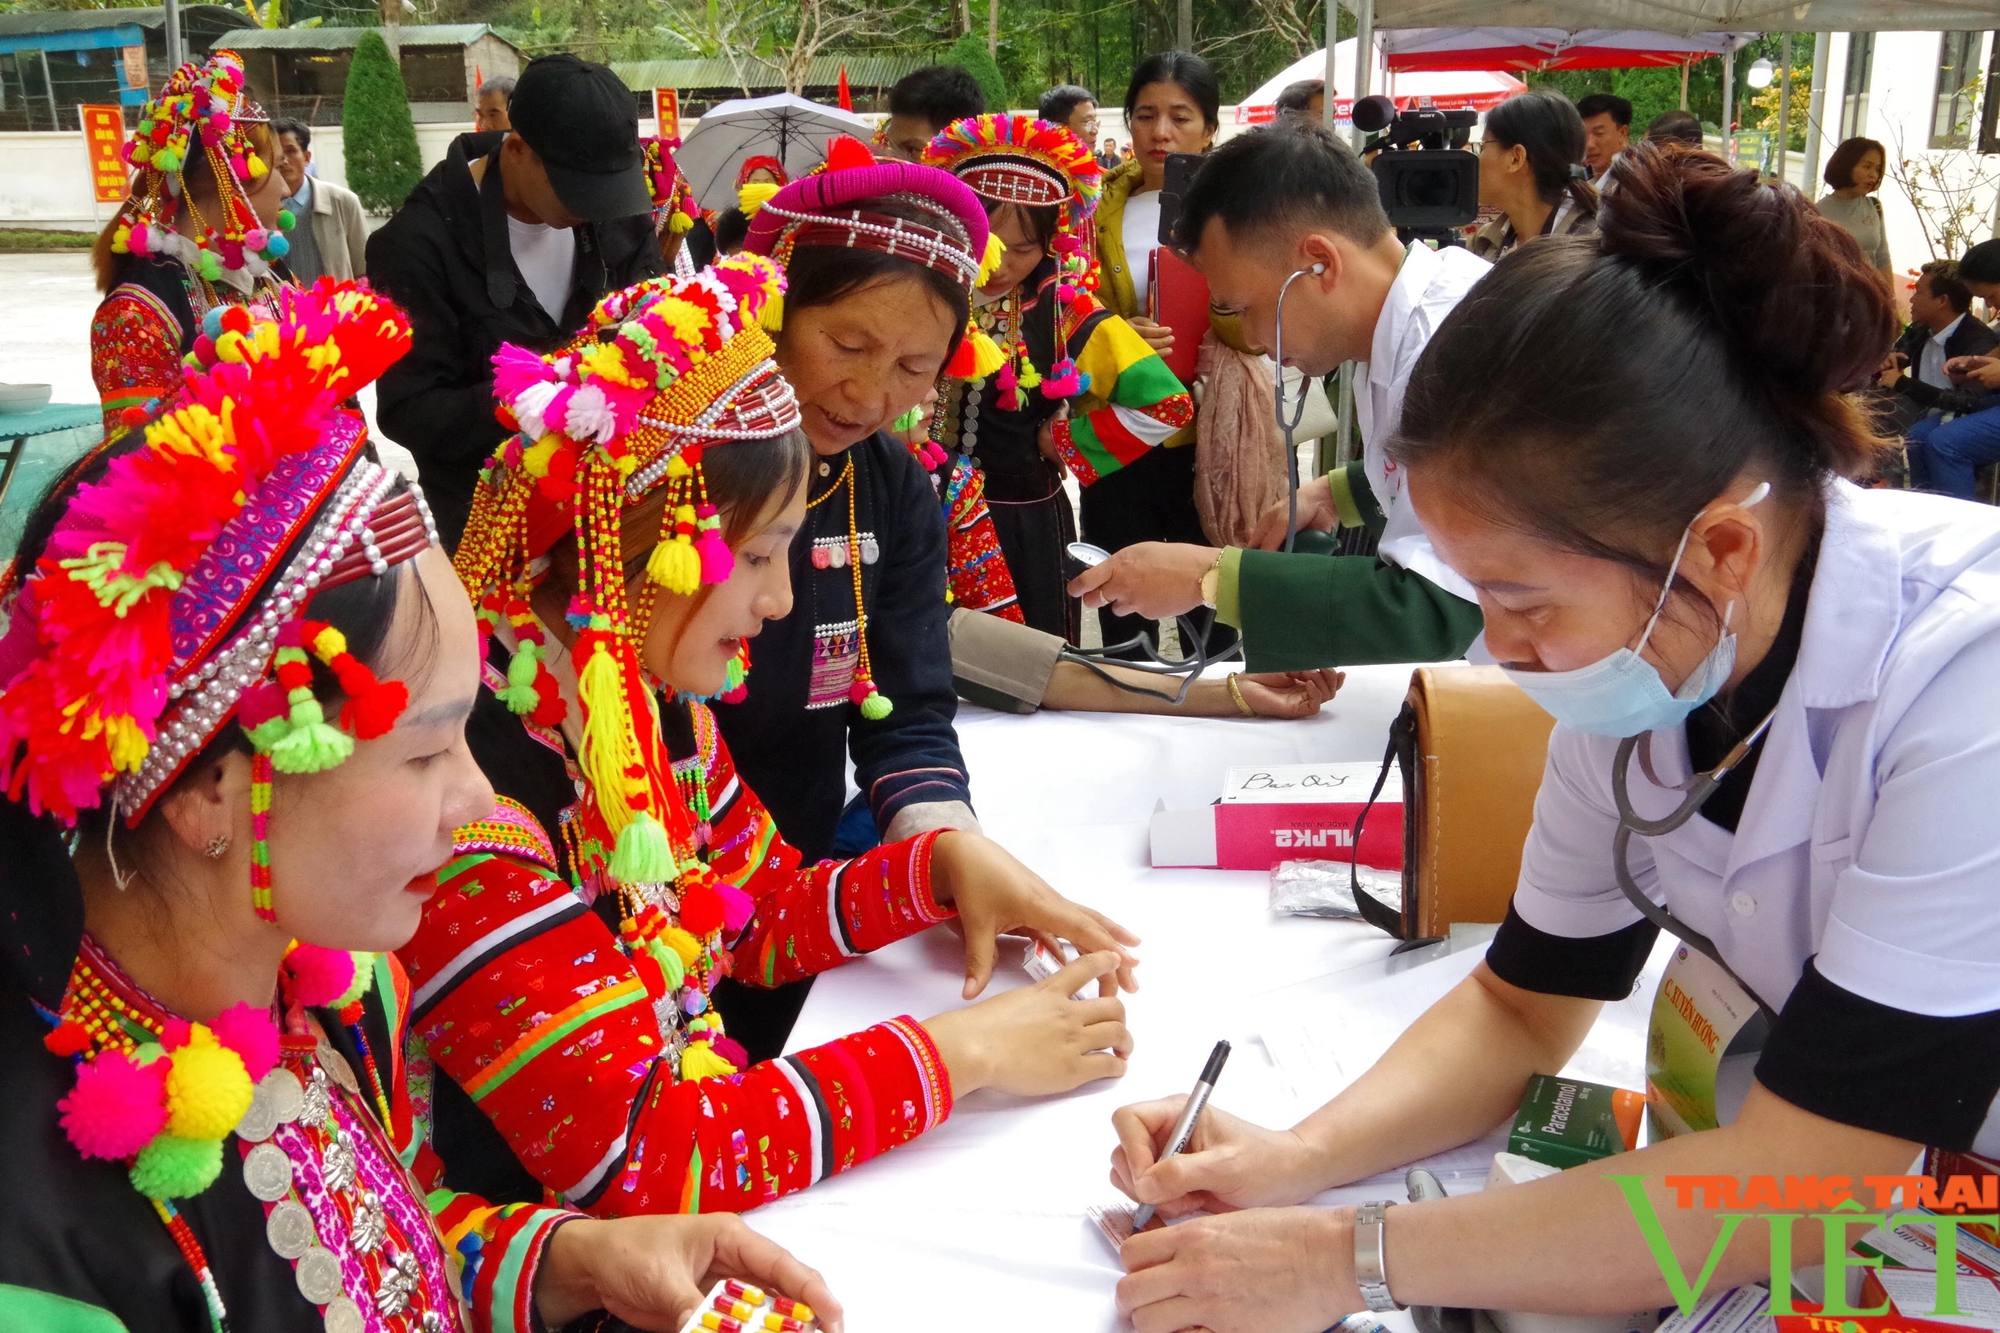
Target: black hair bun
1789 289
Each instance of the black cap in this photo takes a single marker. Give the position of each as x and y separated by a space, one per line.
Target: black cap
581 121
1981 263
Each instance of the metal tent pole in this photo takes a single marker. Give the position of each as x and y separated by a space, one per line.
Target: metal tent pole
1729 102
1816 108
1327 112
1785 109
1364 53
175 53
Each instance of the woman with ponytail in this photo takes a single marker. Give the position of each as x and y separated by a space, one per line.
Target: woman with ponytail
1641 449
625 551
1531 169
233 693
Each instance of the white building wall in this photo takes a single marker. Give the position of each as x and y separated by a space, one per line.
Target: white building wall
1901 101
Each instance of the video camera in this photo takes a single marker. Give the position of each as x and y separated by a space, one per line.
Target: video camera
1429 184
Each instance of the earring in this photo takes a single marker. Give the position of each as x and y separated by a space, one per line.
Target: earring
218 847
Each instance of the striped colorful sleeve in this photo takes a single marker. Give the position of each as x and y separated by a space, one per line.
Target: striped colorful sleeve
498 1248
1143 403
135 352
521 996
814 918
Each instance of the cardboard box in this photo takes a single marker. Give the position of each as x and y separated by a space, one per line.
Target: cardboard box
1566 1122
1286 812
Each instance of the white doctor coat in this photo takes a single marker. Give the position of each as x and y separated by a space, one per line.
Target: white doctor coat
1870 838
1428 286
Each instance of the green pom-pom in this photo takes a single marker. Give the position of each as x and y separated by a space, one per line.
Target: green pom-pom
670 963
175 1168
285 220
364 981
268 732
519 692
642 856
311 745
876 706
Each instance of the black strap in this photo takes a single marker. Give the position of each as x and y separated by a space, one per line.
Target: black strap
1402 739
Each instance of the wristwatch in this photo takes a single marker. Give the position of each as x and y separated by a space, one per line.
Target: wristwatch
1211 582
1368 1271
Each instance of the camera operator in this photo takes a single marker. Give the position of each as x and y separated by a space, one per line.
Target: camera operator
1289 203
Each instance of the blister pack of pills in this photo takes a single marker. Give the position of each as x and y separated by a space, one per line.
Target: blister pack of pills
738 1307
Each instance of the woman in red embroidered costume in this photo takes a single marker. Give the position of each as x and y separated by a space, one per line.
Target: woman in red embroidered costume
206 1097
635 533
202 232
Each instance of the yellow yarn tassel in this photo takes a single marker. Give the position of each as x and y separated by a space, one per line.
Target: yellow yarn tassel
754 196
608 749
987 358
772 317
675 565
699 1060
996 253
683 943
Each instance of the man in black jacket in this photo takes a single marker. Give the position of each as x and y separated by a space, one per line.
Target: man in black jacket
513 238
1941 328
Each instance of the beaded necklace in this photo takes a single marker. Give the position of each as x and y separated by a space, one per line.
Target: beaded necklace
863 693
338 1204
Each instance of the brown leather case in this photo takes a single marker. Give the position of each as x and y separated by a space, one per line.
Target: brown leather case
1480 748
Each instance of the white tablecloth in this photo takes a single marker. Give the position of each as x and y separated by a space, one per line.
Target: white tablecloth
979 1225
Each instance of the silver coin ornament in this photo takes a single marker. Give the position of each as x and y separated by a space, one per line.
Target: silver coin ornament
290 1229
344 1316
318 1276
336 1065
288 1095
261 1120
267 1172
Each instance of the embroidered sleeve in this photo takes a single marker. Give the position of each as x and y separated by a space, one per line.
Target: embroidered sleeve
499 1248
522 997
1143 403
808 919
980 578
135 352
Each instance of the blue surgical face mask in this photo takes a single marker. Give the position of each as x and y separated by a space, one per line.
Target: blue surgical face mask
1623 695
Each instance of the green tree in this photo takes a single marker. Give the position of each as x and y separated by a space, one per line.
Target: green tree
380 139
969 51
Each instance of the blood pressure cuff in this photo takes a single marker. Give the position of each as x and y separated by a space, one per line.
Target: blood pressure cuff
1000 665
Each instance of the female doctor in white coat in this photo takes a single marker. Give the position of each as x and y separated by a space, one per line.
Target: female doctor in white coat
1635 447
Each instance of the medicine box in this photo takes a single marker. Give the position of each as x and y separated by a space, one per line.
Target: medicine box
1286 812
1566 1122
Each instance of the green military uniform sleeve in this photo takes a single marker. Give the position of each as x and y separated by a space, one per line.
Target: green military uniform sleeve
1308 608
1299 611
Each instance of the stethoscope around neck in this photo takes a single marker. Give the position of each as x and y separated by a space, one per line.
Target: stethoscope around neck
1697 790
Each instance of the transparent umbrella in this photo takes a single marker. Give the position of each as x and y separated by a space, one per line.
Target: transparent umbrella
783 126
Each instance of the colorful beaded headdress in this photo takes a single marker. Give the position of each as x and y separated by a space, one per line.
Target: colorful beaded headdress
1015 159
201 110
674 210
172 600
815 210
668 369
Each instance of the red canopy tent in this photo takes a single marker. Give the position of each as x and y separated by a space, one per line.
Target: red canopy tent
1411 49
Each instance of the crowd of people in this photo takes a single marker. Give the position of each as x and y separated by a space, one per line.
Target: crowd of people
411 885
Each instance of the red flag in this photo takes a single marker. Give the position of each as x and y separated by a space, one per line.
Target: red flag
846 97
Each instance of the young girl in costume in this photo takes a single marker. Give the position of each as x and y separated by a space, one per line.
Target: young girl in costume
626 548
1038 184
217 787
201 231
